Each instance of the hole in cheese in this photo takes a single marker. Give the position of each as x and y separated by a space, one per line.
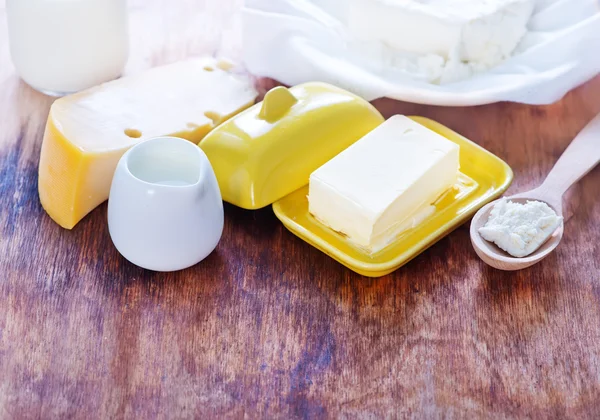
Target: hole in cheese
224 65
133 133
214 117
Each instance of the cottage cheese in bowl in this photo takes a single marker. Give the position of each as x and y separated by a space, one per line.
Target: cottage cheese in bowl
438 41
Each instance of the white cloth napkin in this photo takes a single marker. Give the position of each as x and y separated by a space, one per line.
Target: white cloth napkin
297 41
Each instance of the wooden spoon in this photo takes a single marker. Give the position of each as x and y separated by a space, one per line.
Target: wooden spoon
581 156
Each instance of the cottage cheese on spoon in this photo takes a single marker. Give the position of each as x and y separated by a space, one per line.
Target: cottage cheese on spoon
520 229
438 41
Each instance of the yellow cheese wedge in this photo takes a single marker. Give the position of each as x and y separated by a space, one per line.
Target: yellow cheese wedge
88 132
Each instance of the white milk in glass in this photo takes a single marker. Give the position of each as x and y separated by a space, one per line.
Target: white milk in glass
64 46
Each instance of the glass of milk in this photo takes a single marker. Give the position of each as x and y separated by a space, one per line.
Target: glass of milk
63 46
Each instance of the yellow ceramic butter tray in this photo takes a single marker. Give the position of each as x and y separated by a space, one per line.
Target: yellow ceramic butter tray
483 178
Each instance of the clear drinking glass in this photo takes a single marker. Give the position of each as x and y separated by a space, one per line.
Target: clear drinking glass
63 46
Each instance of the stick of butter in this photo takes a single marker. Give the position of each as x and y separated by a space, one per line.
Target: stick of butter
88 132
384 183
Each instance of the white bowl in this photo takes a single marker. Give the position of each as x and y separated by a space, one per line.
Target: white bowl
165 211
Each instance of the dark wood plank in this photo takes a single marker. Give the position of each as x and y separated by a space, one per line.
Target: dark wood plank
267 326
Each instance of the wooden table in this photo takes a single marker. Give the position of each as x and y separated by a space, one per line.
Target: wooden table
268 326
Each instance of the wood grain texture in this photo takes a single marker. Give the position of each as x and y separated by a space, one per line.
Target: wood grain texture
268 326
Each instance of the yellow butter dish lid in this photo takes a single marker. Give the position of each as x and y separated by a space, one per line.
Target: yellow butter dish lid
482 178
270 150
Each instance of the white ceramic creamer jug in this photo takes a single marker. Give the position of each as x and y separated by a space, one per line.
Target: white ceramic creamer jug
165 211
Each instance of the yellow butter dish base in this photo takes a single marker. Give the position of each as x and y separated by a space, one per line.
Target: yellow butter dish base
483 178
